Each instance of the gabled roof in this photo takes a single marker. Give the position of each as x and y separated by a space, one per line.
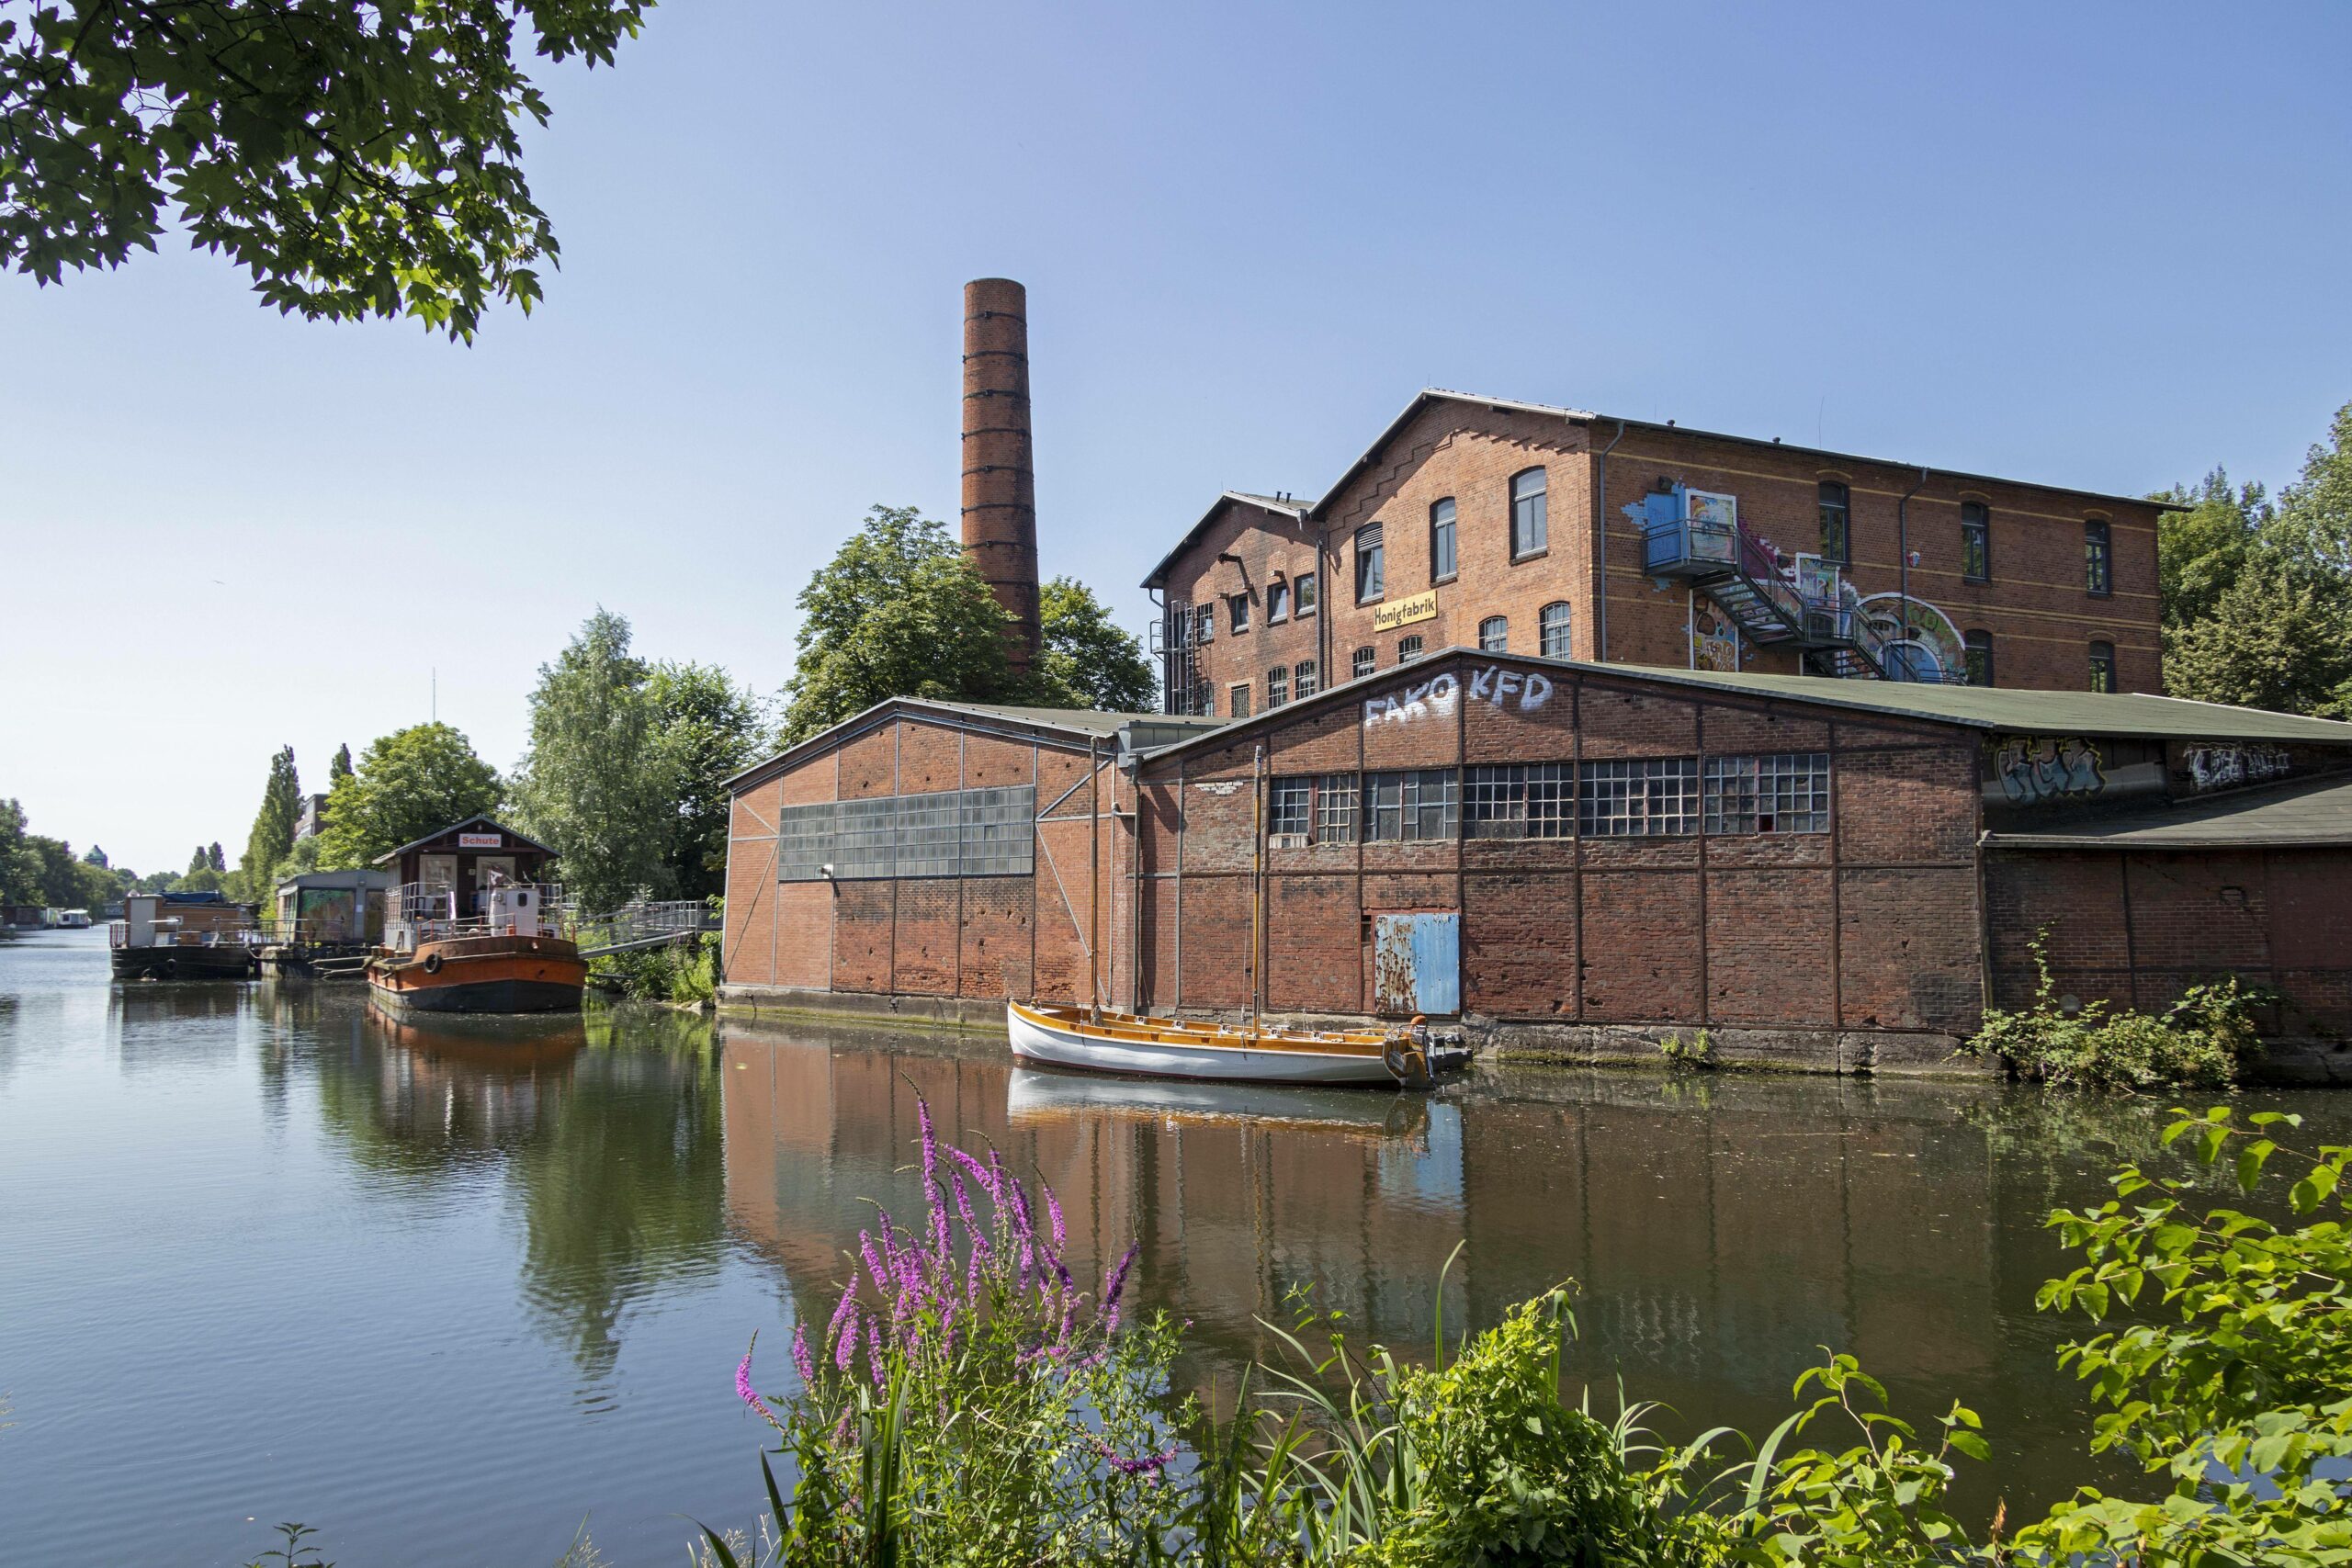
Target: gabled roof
1289 506
470 822
1081 723
2310 814
1991 709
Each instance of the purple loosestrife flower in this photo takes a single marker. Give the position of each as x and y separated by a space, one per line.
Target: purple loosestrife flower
743 1389
963 1201
843 1312
874 1264
1113 1284
846 1352
874 1356
930 1141
980 1173
802 1361
1023 1225
972 1272
1147 1464
1053 1211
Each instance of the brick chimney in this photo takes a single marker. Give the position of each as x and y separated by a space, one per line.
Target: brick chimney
999 483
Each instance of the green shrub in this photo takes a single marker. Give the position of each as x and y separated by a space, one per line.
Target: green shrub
2203 1040
1699 1051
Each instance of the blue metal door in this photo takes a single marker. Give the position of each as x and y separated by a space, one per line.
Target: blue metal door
1416 964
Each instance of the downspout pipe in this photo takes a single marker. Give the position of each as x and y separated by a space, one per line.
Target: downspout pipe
1600 646
1903 567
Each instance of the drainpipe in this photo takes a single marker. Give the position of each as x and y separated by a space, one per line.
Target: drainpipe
1600 646
1902 564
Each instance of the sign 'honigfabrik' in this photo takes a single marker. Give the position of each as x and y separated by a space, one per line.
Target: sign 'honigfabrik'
1405 611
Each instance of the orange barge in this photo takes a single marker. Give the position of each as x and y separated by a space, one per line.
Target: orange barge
481 974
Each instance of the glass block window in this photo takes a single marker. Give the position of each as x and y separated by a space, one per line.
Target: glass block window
1302 676
999 830
1372 573
2102 667
930 834
1289 809
2097 558
1836 506
1976 542
1362 663
1335 810
867 839
1277 686
1304 585
1785 793
1529 530
1240 696
1627 799
1420 804
805 841
1441 540
1409 649
1517 802
1277 601
1977 650
1552 627
1494 635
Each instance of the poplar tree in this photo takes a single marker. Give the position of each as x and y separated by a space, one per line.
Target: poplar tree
271 838
594 786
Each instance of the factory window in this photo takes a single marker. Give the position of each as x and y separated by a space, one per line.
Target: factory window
1238 696
1237 607
968 832
1204 699
1837 523
1362 662
1441 554
1976 542
2097 558
1529 531
1205 624
1305 676
1305 589
1553 626
1976 653
1289 806
1517 802
930 834
1277 686
804 842
1420 805
1371 575
1788 793
1494 635
1626 799
1335 810
1409 649
1000 835
1277 601
2102 667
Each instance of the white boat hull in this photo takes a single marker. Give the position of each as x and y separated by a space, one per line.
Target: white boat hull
1037 1037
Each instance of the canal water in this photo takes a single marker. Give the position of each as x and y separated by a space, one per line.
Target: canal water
447 1292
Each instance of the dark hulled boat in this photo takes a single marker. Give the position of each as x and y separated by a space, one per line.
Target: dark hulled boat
481 974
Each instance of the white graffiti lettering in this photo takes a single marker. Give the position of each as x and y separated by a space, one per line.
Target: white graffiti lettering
2220 767
2033 772
1437 696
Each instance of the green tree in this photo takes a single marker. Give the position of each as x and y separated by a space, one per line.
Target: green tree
1088 661
341 767
19 865
595 786
899 612
2200 551
2312 532
357 159
214 858
2269 642
409 783
272 834
709 728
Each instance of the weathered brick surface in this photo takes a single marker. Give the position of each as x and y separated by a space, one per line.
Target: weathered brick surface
862 919
1311 929
1769 947
1519 944
803 940
924 955
998 914
1908 949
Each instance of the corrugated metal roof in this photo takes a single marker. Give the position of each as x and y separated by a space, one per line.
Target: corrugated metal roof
1091 722
2308 815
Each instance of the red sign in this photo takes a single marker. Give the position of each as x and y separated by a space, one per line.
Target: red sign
480 842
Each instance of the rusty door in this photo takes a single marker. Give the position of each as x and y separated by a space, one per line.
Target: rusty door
1416 964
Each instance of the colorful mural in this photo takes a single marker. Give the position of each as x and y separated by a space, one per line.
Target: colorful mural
1714 636
1921 634
2038 771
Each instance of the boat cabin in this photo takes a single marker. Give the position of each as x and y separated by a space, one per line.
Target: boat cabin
465 860
333 909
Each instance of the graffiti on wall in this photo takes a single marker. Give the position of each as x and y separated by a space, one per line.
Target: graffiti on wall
2037 770
1435 697
1714 636
2220 767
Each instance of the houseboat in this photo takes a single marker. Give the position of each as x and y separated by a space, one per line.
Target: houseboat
471 927
182 936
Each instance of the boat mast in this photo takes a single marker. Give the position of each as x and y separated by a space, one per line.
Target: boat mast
1093 880
1257 878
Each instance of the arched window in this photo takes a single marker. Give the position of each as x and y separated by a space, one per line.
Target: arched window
1529 531
2102 667
1976 649
1837 523
1494 635
1442 559
1372 576
1552 623
1362 662
1409 649
1976 542
1277 686
2098 576
1304 677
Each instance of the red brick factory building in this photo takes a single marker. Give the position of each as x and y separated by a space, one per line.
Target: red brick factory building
1830 851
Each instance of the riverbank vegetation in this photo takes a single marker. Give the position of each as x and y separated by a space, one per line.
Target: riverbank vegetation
2203 1041
962 1349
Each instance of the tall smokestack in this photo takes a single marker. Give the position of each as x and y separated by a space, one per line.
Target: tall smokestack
1000 482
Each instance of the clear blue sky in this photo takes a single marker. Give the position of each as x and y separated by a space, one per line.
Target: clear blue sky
2103 246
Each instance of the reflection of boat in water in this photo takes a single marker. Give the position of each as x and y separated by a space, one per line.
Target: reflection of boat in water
1032 1096
1104 1041
506 1045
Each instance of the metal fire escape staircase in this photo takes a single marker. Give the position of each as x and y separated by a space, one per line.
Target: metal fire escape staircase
1807 604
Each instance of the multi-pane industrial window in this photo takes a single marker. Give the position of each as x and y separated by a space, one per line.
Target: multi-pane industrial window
1305 677
1976 542
1362 662
1419 805
2097 561
968 832
1205 624
1624 799
1494 635
1372 578
1277 686
1289 809
1277 601
1335 808
1409 649
1529 801
1304 584
1837 523
1785 793
1239 692
1238 604
1553 626
2102 667
1529 531
1976 648
1442 556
